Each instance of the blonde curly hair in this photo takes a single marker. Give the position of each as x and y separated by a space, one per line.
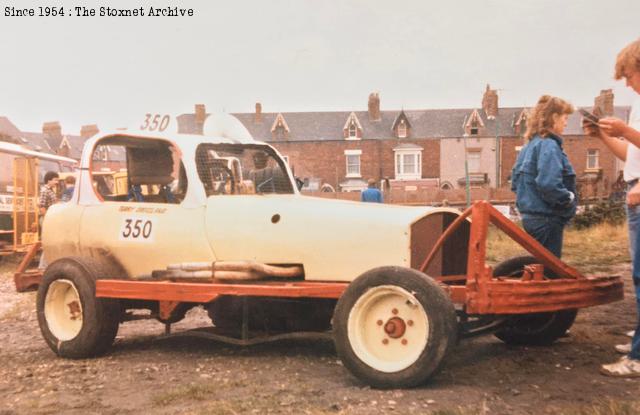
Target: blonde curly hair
540 122
628 60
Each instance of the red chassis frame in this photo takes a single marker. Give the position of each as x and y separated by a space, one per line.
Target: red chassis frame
28 279
479 291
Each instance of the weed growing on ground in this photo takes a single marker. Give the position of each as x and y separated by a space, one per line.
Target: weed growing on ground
590 250
196 392
609 407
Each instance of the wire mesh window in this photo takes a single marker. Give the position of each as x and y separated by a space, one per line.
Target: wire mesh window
138 171
227 169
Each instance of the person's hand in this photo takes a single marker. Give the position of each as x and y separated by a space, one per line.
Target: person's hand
590 129
633 195
614 127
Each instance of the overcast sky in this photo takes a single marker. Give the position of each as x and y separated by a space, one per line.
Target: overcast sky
297 55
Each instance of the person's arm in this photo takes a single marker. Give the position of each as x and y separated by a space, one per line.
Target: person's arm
617 146
615 127
549 179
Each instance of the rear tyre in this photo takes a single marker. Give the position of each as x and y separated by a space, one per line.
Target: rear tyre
535 329
74 323
393 327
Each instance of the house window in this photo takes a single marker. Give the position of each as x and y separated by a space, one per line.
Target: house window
353 162
593 159
473 161
402 129
286 159
353 130
408 165
474 128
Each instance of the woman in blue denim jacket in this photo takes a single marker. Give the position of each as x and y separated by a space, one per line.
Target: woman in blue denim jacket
543 179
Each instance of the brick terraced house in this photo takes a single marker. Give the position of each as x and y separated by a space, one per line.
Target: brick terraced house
414 151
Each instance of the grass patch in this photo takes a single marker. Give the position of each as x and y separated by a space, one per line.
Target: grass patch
591 250
609 407
197 392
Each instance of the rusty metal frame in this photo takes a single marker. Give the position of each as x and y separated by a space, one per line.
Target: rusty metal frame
205 292
485 293
25 279
481 292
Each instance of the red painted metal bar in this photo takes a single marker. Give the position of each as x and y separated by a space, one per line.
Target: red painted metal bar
523 297
451 278
527 242
477 272
33 249
27 280
205 292
450 229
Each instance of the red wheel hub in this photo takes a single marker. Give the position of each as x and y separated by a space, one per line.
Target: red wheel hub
395 327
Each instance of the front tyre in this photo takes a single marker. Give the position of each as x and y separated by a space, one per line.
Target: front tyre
74 323
393 326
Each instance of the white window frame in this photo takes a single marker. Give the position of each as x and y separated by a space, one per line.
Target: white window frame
399 164
355 155
478 154
355 131
593 154
286 159
402 129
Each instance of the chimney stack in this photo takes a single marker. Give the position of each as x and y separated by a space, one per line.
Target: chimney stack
490 102
88 131
374 106
201 115
604 102
258 115
52 129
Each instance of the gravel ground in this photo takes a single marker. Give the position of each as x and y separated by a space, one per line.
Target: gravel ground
145 373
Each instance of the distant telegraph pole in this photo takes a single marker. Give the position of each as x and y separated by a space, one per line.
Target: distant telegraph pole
466 173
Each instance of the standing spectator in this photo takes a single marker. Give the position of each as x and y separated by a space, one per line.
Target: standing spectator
610 130
371 193
543 178
70 184
48 197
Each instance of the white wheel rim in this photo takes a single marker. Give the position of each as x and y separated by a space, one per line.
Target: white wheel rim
382 308
63 310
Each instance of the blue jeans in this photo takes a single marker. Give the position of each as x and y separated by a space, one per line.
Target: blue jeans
633 222
548 230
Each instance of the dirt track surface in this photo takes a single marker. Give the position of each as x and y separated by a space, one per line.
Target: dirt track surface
146 374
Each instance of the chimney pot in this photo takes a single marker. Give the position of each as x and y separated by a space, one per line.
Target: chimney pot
490 102
201 114
52 129
87 131
374 106
604 102
258 115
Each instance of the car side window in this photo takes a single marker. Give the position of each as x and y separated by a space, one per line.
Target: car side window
138 171
239 170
